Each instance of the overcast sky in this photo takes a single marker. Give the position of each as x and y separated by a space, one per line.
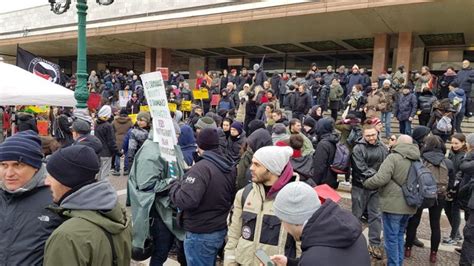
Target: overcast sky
21 4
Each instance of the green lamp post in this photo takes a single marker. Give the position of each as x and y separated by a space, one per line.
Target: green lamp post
58 7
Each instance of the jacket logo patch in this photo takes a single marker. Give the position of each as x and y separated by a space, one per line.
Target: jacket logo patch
190 180
43 218
246 232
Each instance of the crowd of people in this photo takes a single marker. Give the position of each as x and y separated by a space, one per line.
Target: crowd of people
248 156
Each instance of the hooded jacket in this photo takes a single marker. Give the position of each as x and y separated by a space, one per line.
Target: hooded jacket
254 225
90 141
121 126
187 142
233 146
149 185
259 138
392 173
105 133
90 212
26 121
205 193
436 157
302 103
324 154
366 160
333 236
25 223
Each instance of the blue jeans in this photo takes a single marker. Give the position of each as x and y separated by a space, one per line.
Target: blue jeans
117 163
386 120
394 232
202 249
405 127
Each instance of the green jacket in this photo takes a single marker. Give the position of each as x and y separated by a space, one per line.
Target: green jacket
394 171
335 93
90 212
150 174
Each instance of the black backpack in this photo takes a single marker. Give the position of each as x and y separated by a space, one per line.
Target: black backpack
420 188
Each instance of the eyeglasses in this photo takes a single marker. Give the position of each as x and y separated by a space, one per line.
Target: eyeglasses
393 138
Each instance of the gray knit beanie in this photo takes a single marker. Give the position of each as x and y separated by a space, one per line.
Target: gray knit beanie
296 203
274 158
470 140
205 122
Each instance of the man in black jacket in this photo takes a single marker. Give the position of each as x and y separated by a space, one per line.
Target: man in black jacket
205 195
324 153
367 156
105 133
303 103
329 234
25 223
81 133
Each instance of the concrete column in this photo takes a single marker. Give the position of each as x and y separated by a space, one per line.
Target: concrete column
163 57
381 53
404 51
150 60
195 64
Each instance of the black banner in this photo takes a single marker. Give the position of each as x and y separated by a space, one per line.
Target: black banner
38 66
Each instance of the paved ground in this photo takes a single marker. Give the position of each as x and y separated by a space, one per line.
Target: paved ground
420 256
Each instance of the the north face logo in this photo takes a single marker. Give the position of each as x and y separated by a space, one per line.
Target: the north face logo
43 218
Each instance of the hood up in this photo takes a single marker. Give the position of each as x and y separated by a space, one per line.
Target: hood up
259 138
224 164
331 226
324 126
409 151
434 157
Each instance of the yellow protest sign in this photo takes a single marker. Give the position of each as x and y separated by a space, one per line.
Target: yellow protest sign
186 106
133 117
172 107
144 108
201 94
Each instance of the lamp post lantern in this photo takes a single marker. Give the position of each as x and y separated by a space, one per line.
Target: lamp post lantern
81 92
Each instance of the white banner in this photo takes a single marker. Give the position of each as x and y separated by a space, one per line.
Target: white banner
163 129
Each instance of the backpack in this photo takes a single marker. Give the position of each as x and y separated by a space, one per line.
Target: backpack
342 159
457 103
420 188
354 135
441 175
444 125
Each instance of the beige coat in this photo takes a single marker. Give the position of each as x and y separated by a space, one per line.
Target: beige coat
253 227
375 104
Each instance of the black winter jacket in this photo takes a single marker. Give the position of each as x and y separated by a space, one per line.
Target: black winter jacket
105 133
332 236
303 103
90 141
233 146
322 160
366 160
206 193
25 225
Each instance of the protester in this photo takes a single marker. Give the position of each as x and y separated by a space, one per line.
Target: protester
105 133
329 235
465 79
97 230
253 223
81 133
302 103
133 105
367 156
399 78
405 110
426 99
26 222
423 80
324 153
375 102
64 121
452 208
442 169
458 99
390 99
395 211
335 97
444 81
204 195
138 135
121 125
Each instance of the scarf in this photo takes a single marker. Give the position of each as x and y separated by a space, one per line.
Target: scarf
36 181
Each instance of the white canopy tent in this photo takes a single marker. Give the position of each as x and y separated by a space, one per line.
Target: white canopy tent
20 87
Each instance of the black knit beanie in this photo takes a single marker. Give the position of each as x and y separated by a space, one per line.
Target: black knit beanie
208 139
74 165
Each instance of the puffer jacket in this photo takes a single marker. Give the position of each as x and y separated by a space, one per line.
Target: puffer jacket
25 223
90 212
254 226
405 107
366 160
105 133
392 173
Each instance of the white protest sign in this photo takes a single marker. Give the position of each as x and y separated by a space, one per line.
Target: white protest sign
163 129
